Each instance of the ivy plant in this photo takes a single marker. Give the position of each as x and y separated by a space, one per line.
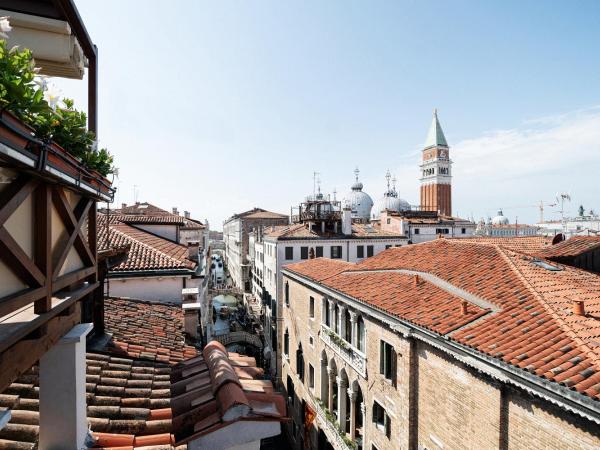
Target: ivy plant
62 124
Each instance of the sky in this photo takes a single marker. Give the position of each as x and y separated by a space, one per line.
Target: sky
218 107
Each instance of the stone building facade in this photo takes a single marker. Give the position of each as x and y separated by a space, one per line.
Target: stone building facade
378 376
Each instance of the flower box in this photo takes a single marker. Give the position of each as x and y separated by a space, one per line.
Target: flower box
13 132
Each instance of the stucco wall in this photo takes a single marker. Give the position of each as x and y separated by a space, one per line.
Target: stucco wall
155 289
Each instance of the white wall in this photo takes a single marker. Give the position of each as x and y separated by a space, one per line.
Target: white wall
167 231
155 289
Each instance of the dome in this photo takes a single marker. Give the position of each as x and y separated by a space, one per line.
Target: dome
389 200
360 202
500 219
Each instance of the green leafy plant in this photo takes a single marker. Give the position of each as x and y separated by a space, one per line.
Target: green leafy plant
23 95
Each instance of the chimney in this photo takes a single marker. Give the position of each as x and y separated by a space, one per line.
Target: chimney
193 250
186 214
323 227
347 221
464 308
190 319
175 210
578 308
416 280
123 205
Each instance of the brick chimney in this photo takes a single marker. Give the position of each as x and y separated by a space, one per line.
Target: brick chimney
464 308
186 214
193 250
416 280
175 211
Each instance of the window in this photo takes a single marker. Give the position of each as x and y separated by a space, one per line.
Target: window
381 419
360 251
319 251
441 231
289 253
361 334
387 361
336 251
300 363
311 304
290 389
388 221
287 294
303 252
311 341
463 231
369 251
327 313
311 376
286 343
417 231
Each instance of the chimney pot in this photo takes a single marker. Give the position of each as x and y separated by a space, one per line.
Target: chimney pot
578 308
464 308
123 205
175 210
416 280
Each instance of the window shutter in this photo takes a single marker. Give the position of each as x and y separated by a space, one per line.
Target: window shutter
388 425
381 357
394 366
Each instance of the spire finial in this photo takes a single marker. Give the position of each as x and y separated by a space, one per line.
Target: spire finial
435 111
356 172
394 182
387 177
334 194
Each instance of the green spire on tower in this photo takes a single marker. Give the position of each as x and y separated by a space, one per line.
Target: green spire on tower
435 137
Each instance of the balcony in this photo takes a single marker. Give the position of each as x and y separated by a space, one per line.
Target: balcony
346 351
327 422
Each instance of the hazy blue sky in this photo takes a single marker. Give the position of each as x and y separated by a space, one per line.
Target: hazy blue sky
220 106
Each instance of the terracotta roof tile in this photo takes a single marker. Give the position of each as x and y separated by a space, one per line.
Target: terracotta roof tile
146 251
527 244
530 323
574 246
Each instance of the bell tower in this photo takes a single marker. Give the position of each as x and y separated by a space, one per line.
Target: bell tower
436 178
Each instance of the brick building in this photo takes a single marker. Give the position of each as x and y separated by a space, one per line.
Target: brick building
448 344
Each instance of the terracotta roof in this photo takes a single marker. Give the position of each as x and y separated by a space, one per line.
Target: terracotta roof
257 213
147 330
529 324
141 219
302 231
319 269
574 246
147 251
147 213
528 244
134 404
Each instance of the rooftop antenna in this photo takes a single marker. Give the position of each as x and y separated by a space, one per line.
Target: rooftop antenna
561 198
334 194
387 177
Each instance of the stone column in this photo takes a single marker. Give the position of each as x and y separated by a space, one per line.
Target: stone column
352 394
354 324
363 411
324 382
342 322
331 314
342 386
331 375
63 415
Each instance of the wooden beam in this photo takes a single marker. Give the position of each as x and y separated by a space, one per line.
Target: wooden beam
12 197
18 261
42 239
22 355
74 225
19 299
73 277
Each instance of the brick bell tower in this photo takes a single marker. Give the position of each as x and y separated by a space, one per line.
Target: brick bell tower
436 179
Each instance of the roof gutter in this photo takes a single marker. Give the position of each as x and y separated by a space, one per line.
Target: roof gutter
553 392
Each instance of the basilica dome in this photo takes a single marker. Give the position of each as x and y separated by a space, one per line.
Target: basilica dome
500 219
360 202
389 200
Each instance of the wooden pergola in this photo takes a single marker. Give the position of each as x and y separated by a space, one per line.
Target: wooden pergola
48 247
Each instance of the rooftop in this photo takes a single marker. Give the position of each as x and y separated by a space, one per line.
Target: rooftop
145 395
527 244
518 310
257 213
148 252
572 247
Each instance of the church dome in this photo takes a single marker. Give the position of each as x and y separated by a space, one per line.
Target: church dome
500 219
389 200
360 202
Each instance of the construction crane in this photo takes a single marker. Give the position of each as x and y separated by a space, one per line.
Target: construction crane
541 205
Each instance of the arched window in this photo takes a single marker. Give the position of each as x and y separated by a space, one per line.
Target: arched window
360 334
286 343
287 294
300 363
